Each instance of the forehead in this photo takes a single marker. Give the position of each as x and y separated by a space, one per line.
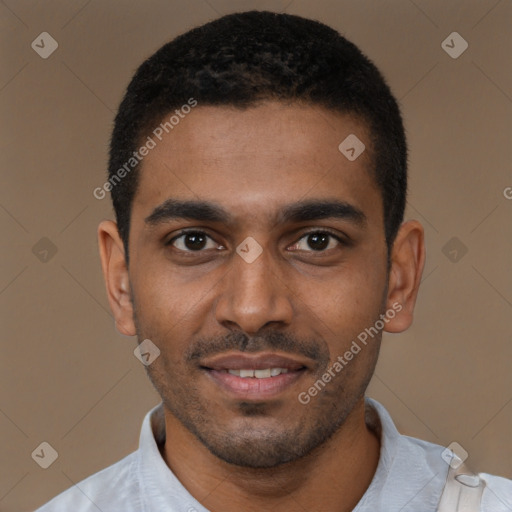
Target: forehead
254 161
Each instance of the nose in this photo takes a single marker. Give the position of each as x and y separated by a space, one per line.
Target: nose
253 296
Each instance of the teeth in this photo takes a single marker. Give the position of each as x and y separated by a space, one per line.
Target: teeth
259 374
262 374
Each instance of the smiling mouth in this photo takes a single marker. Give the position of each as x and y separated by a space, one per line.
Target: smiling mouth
256 376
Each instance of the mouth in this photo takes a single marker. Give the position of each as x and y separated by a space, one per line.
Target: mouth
254 377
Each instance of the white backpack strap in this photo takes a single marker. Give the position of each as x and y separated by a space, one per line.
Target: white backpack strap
462 492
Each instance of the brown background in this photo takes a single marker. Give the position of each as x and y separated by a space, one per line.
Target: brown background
69 379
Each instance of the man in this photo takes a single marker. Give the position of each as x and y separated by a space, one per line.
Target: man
258 175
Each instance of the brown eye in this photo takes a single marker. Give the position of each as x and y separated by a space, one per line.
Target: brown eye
193 241
317 241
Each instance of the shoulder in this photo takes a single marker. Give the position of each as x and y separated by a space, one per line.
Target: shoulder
415 471
497 495
112 488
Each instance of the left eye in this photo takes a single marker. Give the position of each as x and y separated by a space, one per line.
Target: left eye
193 241
316 241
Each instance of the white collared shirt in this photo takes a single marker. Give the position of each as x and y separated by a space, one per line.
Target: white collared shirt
410 477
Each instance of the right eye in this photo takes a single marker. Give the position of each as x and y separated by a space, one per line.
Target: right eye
193 241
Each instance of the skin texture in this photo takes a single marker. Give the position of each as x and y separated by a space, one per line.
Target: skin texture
272 454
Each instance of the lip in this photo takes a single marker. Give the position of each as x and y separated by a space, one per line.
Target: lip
252 362
252 388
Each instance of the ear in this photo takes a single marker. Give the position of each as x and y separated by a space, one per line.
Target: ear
407 262
115 273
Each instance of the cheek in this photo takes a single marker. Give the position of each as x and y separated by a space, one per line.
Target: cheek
170 310
346 302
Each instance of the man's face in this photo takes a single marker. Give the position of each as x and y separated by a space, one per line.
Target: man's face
319 281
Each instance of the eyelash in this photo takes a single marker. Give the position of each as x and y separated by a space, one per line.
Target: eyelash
339 239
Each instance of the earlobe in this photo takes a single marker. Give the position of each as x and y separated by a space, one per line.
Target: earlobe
407 262
117 280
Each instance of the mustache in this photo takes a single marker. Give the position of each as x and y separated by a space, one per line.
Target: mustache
271 340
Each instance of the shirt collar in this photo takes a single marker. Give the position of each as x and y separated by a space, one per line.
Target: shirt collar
410 472
160 488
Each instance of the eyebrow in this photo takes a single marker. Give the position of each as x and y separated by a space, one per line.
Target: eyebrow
322 209
174 209
301 211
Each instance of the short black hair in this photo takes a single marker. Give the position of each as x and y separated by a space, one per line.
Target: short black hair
245 58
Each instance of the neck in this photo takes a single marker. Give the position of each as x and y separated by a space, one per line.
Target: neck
332 478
